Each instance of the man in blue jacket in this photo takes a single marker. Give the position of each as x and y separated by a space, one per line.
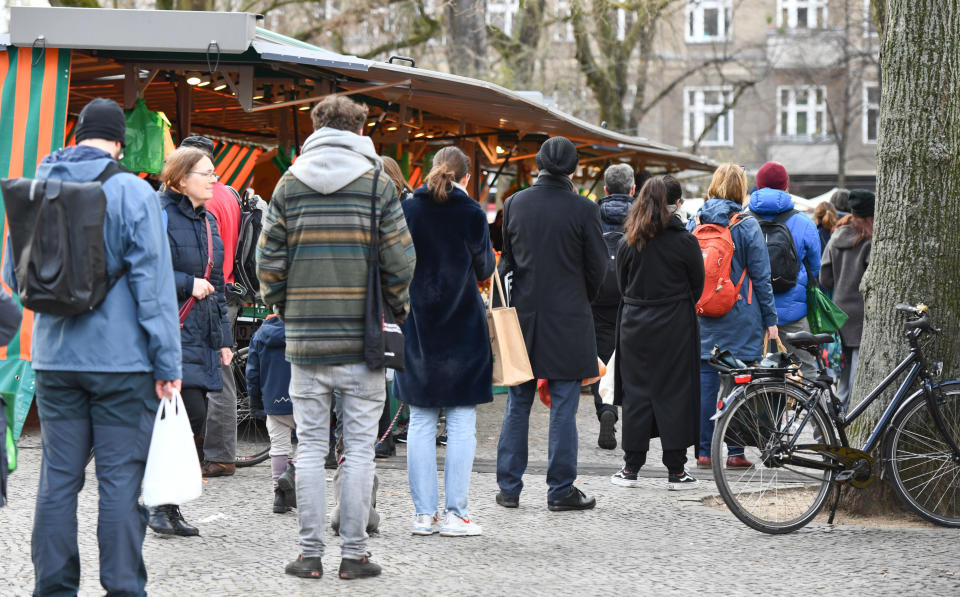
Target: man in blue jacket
100 374
767 202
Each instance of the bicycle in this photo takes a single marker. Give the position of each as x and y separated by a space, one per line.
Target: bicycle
253 443
794 432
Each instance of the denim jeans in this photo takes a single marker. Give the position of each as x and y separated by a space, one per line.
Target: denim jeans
709 389
562 450
457 464
361 392
220 435
114 414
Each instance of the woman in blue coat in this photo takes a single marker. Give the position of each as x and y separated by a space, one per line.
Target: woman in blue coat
447 360
741 330
205 335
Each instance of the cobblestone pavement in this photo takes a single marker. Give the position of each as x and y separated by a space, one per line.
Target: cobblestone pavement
637 541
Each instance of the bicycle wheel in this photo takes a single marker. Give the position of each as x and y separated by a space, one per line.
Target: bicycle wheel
920 463
778 494
253 442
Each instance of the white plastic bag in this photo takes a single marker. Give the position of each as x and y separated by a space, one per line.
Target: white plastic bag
173 472
606 382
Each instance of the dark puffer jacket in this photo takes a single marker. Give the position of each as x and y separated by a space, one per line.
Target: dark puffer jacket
207 327
613 212
268 373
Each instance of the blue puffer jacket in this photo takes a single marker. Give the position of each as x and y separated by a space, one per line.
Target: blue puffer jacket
135 327
268 372
741 330
767 203
613 212
207 327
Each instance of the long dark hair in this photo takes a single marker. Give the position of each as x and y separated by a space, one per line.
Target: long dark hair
863 226
449 166
648 215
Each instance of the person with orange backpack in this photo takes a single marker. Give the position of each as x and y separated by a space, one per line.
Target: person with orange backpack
737 303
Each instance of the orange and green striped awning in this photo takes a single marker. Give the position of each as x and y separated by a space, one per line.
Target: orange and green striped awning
33 111
234 162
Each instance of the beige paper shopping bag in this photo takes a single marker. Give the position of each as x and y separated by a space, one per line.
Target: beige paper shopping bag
511 365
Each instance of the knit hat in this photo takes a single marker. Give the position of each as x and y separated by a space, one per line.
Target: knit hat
201 143
773 175
558 155
102 118
862 203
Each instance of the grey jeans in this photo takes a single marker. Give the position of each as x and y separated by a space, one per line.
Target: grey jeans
808 364
362 393
220 435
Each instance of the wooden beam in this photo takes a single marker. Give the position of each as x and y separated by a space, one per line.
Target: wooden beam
308 100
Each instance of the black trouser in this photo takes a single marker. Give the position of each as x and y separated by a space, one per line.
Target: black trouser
672 459
605 327
195 399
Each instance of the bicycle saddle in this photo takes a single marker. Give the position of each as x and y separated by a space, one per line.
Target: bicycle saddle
806 339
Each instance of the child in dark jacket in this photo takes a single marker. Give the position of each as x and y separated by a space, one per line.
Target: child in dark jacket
268 379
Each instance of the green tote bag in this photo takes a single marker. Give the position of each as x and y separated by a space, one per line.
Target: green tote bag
823 315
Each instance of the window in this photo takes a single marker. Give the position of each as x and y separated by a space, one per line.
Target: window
871 112
869 27
708 20
801 111
501 13
801 14
563 30
700 106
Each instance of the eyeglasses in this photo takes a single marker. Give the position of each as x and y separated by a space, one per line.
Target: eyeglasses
210 174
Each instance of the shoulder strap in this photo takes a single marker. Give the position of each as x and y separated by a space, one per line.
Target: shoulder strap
206 272
374 235
112 169
738 218
782 218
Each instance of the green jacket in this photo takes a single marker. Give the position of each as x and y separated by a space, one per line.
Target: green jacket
312 262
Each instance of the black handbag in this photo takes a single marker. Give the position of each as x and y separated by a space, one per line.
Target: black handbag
382 337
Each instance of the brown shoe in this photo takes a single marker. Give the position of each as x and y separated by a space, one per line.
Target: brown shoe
704 462
738 462
217 469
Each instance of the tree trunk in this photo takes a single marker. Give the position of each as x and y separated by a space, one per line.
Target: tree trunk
467 37
916 245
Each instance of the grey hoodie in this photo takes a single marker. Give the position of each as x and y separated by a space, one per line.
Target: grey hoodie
331 159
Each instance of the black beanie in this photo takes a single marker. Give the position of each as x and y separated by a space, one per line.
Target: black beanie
862 203
201 143
102 118
558 155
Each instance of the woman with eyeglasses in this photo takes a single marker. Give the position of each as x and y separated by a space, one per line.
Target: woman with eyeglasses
205 335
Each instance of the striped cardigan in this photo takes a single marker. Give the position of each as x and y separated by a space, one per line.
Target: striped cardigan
312 262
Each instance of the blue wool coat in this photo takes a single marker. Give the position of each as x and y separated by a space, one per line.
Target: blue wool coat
207 327
447 345
766 203
268 372
741 330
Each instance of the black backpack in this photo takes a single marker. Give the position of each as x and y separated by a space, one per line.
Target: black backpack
784 261
56 235
609 295
245 259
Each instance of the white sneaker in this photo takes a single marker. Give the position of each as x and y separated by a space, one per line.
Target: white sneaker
454 526
423 524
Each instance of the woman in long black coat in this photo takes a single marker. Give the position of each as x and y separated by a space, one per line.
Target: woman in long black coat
660 273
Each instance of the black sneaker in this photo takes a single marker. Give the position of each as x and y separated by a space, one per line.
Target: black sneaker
575 500
362 568
608 432
442 439
508 501
303 567
681 482
625 478
279 502
287 485
401 438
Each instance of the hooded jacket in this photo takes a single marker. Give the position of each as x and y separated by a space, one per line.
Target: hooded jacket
135 328
268 374
766 203
844 264
312 253
613 212
741 329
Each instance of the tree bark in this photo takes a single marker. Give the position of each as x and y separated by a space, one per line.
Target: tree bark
467 37
916 245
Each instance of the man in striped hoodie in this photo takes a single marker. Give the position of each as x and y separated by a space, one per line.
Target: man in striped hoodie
312 265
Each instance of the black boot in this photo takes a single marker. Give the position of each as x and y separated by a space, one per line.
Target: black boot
279 502
386 449
287 486
180 526
160 520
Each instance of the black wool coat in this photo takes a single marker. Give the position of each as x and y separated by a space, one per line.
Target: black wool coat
447 359
207 327
658 348
553 245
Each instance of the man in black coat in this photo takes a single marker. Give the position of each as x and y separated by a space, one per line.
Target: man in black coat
553 244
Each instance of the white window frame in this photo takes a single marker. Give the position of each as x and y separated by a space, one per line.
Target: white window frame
565 31
695 11
814 8
702 112
867 107
508 8
869 28
811 108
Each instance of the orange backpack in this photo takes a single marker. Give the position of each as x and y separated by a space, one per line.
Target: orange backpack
719 291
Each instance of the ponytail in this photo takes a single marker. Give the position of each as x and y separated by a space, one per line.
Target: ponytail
449 165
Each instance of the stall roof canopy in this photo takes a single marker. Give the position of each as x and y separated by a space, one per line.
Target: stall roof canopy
454 106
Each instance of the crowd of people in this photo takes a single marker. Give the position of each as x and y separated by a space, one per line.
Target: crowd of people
622 278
